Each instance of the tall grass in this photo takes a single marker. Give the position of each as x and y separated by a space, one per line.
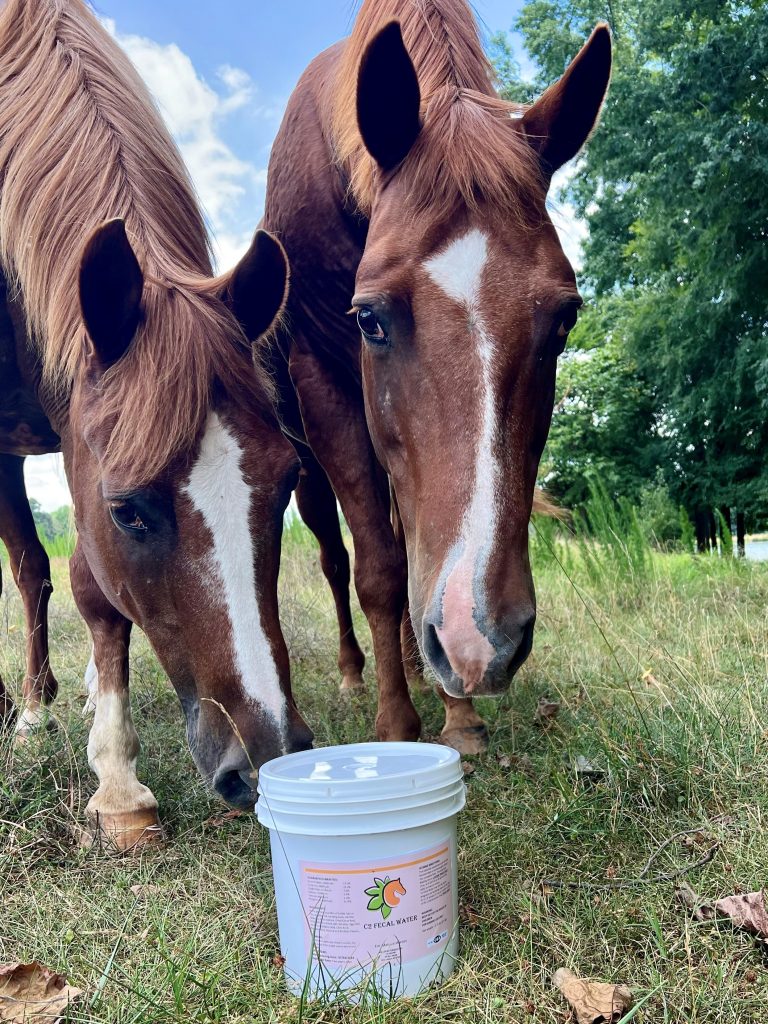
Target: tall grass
605 542
60 546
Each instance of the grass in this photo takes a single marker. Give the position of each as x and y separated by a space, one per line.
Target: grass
663 679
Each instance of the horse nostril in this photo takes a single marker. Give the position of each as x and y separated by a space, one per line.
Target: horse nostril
434 652
520 651
301 742
232 788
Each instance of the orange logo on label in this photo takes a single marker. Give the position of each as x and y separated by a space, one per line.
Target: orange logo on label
385 894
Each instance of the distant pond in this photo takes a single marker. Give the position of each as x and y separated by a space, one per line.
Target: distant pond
757 550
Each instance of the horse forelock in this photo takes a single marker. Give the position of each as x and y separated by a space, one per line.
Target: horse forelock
188 353
470 149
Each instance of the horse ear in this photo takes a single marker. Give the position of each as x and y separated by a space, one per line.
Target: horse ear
111 285
560 121
388 98
257 288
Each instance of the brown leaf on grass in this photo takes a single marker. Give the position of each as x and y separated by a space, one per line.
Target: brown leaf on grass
33 994
140 891
469 916
701 911
593 1002
516 762
546 712
650 679
220 820
467 767
748 912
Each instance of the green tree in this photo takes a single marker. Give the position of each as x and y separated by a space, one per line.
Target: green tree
673 186
43 520
605 423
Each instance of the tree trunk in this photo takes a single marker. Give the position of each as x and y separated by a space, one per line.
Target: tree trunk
741 546
726 520
712 530
700 524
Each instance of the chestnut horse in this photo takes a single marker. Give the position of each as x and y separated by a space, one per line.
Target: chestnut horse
119 347
400 184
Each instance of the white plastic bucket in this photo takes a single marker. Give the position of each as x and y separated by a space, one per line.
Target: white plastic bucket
364 859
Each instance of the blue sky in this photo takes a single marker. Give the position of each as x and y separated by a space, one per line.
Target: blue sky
250 55
221 74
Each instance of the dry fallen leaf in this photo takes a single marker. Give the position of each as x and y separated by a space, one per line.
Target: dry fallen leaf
546 712
146 890
33 994
701 911
650 679
516 762
593 1002
467 767
585 771
220 820
469 916
748 912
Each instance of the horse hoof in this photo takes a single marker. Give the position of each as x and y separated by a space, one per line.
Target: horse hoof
124 832
33 722
352 682
471 740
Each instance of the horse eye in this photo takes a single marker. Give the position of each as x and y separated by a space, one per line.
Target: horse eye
564 328
125 516
568 322
370 326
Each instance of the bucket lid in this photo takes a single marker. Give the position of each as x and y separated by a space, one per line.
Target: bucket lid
360 789
360 771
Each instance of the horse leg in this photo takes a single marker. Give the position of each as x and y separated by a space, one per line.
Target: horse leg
464 729
7 708
335 426
317 505
91 686
122 811
31 570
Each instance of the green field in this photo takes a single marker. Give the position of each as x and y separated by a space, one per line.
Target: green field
661 668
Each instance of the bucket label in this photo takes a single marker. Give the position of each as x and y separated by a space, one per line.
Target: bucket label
389 911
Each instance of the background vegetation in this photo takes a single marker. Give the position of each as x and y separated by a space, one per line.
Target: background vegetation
667 373
660 665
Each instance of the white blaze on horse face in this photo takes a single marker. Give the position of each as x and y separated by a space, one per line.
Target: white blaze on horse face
218 491
458 271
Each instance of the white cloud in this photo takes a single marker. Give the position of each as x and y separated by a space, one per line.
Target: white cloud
230 187
45 481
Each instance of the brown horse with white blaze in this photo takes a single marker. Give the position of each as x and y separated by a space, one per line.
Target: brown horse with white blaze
126 353
400 184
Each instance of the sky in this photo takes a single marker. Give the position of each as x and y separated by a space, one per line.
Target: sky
221 74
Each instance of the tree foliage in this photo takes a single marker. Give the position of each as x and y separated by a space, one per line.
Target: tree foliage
673 186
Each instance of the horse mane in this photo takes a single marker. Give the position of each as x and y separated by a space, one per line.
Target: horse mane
81 142
469 149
